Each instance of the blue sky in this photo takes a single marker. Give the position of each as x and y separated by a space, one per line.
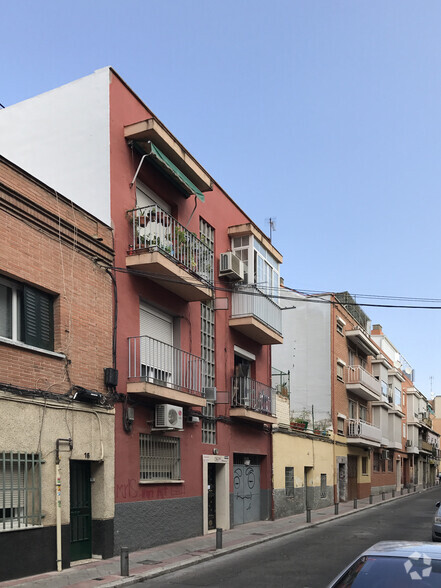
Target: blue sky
325 114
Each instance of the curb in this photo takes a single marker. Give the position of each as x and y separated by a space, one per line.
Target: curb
197 559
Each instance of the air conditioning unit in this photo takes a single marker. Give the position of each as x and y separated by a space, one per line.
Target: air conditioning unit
168 416
385 454
231 266
408 443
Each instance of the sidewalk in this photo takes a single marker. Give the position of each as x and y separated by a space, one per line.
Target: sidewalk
163 559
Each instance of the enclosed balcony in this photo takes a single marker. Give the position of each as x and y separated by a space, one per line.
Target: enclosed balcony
165 373
257 316
169 254
362 433
252 400
362 383
425 446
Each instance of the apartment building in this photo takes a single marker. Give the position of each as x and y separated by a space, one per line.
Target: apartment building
194 307
56 417
328 351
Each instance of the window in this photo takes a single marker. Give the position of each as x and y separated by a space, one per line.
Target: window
363 413
289 481
340 325
390 464
340 370
20 490
384 390
340 425
260 266
404 429
26 315
352 409
376 464
323 486
208 354
397 396
160 458
364 465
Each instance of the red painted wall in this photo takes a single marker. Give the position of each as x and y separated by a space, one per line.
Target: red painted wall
220 212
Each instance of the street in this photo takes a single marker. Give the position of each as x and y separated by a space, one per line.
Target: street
311 558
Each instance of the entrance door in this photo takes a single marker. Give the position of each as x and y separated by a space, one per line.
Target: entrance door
246 493
211 496
80 511
307 503
341 482
352 477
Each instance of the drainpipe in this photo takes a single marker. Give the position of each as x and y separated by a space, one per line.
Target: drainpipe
58 498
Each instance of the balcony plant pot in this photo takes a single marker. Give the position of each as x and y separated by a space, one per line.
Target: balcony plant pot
299 425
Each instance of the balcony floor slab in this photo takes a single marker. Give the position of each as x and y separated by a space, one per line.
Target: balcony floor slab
164 394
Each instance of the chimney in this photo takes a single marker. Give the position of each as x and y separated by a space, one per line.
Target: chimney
377 330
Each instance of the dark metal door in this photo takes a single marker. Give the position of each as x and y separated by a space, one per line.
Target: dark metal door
246 493
80 511
211 496
352 477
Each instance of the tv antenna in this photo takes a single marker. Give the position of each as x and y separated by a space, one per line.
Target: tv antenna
272 226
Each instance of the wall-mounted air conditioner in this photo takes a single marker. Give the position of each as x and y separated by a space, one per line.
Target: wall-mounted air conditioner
385 454
230 266
168 416
408 443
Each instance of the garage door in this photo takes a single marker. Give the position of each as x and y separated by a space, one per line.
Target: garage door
246 493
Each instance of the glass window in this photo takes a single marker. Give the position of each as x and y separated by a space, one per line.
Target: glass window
352 409
363 413
384 390
289 481
160 458
20 490
323 492
26 314
340 426
208 354
364 465
340 371
397 396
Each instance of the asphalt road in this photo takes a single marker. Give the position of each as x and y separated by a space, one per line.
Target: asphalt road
311 558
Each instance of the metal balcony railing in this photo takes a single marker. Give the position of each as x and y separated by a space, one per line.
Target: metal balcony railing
249 300
355 374
361 429
253 395
425 446
162 364
156 230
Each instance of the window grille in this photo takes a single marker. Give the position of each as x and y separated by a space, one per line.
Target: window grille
20 490
289 481
322 485
160 457
206 232
208 354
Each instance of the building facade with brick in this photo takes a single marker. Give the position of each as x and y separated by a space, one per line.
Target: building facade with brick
56 417
195 313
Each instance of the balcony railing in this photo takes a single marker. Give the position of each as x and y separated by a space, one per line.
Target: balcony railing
362 430
156 230
355 374
250 301
248 393
425 446
161 364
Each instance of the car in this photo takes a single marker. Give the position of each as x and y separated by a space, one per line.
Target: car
394 564
436 524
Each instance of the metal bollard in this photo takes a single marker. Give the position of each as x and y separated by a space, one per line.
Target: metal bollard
335 507
218 538
355 503
308 515
383 496
371 498
124 561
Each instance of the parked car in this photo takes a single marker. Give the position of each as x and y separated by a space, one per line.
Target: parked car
436 524
394 564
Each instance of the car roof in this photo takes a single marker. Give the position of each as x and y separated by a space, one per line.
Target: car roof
405 549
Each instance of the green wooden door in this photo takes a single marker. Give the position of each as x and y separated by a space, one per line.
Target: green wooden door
80 511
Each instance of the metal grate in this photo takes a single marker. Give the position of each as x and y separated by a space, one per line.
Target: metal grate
289 481
160 457
20 490
208 354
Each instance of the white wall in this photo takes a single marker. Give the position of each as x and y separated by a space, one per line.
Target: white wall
306 353
62 138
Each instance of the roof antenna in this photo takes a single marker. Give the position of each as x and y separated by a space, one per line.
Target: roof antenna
272 226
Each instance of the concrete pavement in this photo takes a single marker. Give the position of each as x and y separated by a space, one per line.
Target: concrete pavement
149 563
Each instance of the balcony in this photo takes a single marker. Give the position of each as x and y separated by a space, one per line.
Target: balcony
165 373
425 446
171 255
252 401
361 339
362 383
362 433
257 316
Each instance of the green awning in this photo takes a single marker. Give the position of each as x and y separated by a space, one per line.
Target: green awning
170 168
